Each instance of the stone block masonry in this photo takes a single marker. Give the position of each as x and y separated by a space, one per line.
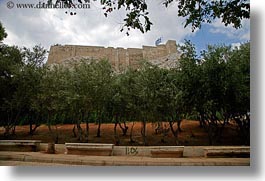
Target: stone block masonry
119 58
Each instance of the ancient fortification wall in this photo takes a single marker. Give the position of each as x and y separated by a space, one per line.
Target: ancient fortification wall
118 57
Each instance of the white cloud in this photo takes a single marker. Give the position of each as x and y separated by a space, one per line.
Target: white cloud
27 27
242 34
235 45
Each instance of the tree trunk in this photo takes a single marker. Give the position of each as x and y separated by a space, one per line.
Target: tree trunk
243 129
179 123
98 131
163 133
143 132
210 134
14 130
87 130
131 133
99 124
73 130
80 132
124 129
79 128
212 131
174 132
37 124
8 127
202 120
158 128
116 136
50 148
32 130
11 123
54 135
7 130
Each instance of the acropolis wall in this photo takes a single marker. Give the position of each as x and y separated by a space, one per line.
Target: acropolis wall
119 57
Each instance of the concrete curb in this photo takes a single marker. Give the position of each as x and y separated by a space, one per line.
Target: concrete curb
38 157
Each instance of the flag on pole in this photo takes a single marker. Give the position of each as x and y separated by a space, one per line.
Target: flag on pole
158 41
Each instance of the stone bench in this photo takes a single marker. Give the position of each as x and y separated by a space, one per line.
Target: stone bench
168 153
238 152
20 145
95 149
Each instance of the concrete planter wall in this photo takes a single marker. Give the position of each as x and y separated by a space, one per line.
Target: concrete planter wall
89 149
188 151
148 151
20 145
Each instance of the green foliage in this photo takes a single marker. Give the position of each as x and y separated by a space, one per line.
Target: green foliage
3 33
19 86
219 87
34 57
10 63
215 87
198 12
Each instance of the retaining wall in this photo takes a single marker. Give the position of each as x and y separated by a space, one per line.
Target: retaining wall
189 151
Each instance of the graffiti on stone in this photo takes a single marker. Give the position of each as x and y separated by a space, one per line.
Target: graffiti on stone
131 150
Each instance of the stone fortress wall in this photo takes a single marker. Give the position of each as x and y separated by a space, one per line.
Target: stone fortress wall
119 58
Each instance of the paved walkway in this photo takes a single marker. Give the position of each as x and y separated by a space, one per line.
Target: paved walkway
39 158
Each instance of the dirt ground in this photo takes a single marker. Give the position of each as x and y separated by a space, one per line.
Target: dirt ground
191 135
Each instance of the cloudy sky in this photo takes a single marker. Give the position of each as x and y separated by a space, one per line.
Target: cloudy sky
28 27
